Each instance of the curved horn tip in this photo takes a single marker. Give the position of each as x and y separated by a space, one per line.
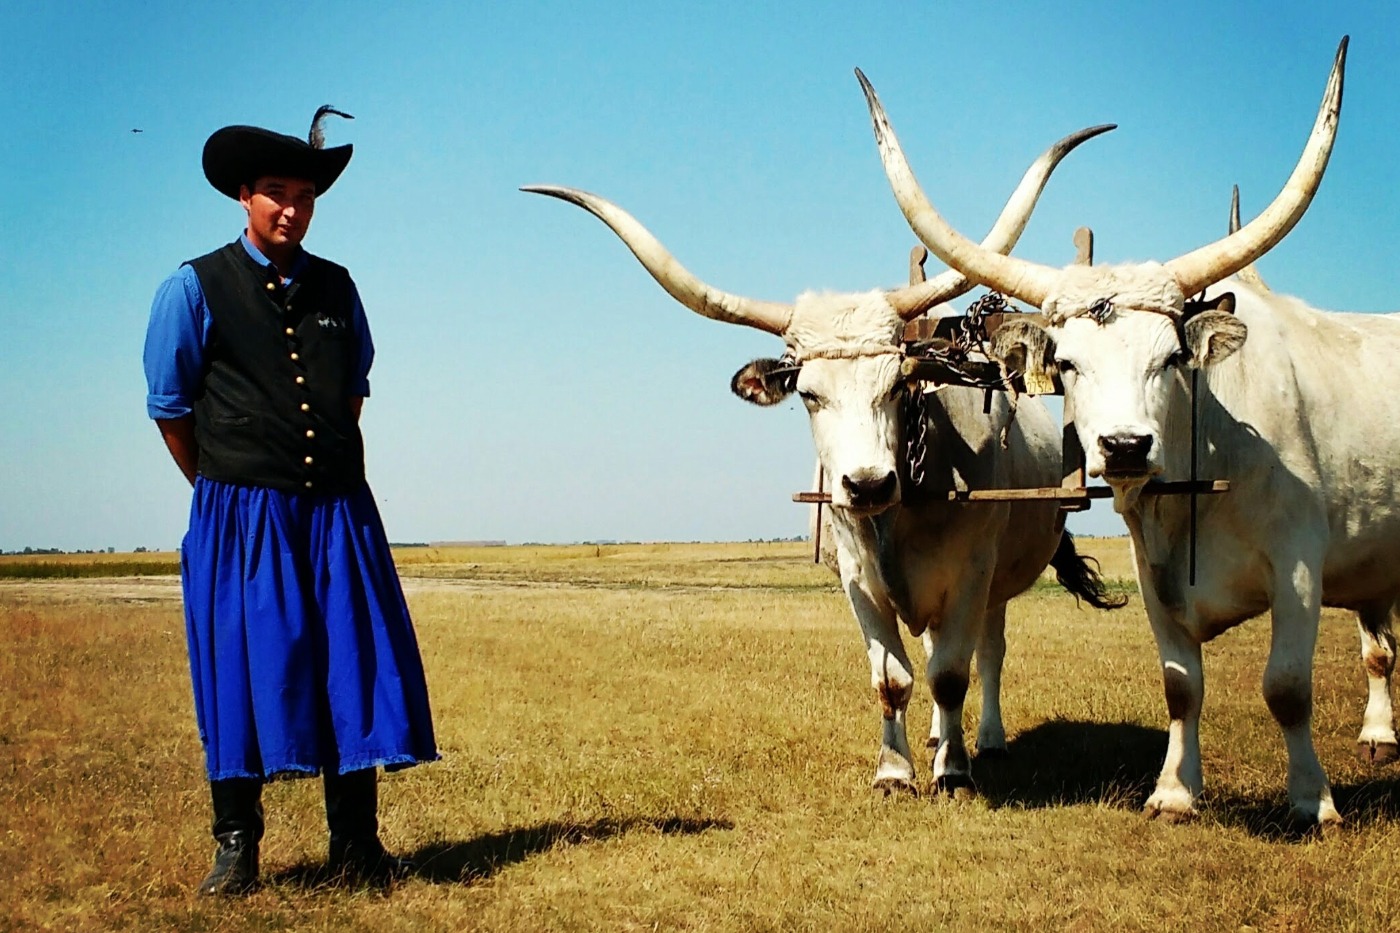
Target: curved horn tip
554 191
1099 130
1339 67
871 99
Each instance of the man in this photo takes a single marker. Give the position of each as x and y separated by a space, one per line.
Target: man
302 654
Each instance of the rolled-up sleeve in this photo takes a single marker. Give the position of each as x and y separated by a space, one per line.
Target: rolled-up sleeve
175 341
359 326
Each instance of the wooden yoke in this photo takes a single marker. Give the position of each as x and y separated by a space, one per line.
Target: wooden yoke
1072 452
1073 494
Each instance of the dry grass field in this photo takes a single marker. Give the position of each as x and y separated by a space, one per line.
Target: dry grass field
661 737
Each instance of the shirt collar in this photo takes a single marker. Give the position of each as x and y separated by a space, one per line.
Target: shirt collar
256 255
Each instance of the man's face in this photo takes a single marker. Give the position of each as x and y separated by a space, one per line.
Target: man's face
279 211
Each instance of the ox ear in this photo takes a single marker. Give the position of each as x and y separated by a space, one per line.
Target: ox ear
765 382
1212 336
1027 348
1223 302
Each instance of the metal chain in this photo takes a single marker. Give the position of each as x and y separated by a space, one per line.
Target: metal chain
971 333
915 434
1100 310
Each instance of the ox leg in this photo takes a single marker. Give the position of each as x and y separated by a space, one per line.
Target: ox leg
1183 682
892 676
947 673
935 729
991 651
1288 689
1377 743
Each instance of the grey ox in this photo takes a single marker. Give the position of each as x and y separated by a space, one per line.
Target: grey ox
945 570
1298 408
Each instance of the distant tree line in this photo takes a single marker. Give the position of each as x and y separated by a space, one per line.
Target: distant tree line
41 551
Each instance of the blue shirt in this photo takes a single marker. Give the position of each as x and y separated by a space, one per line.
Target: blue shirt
179 332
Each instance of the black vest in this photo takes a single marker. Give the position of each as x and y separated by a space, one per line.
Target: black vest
274 407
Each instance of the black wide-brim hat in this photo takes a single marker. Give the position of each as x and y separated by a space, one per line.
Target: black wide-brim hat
240 155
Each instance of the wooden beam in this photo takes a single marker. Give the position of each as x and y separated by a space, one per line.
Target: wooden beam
1058 493
1072 453
944 328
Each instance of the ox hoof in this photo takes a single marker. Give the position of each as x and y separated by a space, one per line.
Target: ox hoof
1309 826
955 787
896 786
1331 829
932 743
1170 817
1377 753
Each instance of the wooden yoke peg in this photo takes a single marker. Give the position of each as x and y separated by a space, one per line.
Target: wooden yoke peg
1073 476
1248 274
917 257
921 327
1084 247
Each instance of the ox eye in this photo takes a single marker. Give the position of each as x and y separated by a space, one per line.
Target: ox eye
1065 366
1176 359
809 398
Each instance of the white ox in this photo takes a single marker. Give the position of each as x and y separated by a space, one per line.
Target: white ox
944 569
1302 417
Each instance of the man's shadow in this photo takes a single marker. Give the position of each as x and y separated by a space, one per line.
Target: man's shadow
1064 763
473 860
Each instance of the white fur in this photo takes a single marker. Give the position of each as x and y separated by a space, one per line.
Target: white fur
944 570
1304 421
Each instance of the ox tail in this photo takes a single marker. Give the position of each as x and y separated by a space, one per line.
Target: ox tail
1074 574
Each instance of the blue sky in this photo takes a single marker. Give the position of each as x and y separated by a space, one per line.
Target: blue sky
532 382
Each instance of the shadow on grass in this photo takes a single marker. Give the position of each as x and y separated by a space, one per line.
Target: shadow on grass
1065 762
476 859
1361 804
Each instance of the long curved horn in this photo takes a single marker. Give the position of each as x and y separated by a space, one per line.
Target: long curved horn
1011 276
1002 238
683 286
1247 274
1211 263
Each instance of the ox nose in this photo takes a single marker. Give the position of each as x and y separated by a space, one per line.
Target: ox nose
870 491
1125 453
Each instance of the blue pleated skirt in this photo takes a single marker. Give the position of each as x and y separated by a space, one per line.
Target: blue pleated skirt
302 654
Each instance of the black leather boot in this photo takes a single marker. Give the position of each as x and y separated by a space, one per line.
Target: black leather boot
238 827
356 854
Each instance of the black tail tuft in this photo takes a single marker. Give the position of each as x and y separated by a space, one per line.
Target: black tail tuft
1074 574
